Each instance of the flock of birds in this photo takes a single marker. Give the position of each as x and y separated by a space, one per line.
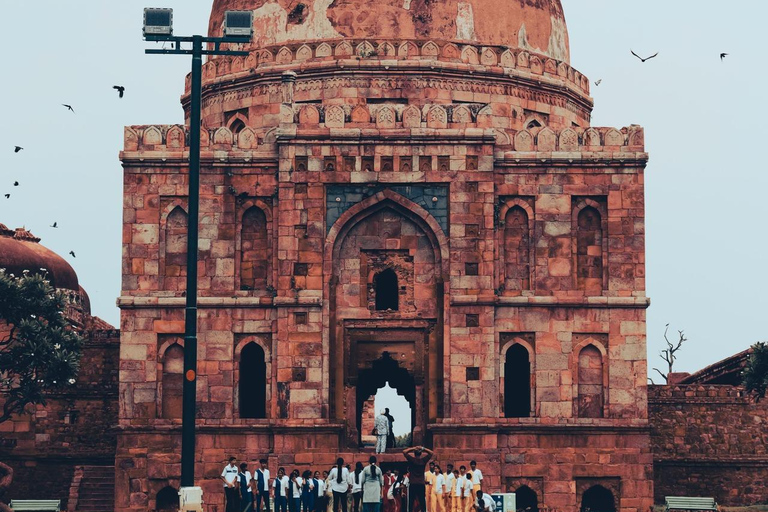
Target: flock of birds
121 92
17 149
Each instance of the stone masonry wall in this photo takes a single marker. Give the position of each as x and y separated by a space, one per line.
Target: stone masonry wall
709 440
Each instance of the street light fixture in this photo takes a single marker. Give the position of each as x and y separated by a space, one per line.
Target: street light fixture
158 27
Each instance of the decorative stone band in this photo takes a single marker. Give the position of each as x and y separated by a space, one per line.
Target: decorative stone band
435 121
151 302
353 53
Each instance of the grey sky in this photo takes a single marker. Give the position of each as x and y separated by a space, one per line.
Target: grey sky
704 120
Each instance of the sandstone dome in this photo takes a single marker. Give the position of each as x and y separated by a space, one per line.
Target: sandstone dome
534 25
20 250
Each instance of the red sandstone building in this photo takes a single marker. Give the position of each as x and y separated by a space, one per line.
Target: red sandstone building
404 191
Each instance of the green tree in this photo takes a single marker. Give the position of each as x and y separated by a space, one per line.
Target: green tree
756 372
39 351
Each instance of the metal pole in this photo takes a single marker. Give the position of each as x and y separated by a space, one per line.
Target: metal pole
190 321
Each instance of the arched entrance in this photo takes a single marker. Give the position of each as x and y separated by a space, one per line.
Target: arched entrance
385 261
384 370
598 499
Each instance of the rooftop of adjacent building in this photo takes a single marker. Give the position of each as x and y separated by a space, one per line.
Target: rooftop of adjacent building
21 251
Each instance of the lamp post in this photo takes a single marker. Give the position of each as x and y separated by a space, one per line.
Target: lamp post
158 27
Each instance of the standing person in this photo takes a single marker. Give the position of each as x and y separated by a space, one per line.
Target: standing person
404 492
328 492
438 489
307 492
477 478
339 477
246 493
391 435
372 484
319 492
261 484
429 479
417 458
457 495
381 428
389 479
294 492
231 492
356 486
450 482
398 489
281 491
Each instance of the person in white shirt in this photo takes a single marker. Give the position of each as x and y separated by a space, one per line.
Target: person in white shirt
280 486
468 500
477 478
339 478
319 492
484 502
450 483
381 429
356 486
260 485
439 489
246 493
294 491
457 496
231 492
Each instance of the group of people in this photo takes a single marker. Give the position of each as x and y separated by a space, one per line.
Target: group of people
424 487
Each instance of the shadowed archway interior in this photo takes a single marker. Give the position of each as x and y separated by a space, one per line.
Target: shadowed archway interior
598 499
383 370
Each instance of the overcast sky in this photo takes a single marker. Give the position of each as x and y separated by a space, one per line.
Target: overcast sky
704 120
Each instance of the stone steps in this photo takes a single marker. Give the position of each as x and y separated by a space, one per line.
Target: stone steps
97 489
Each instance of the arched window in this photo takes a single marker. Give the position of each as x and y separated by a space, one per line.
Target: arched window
237 126
526 499
173 381
598 499
252 390
517 265
387 290
254 250
590 379
176 243
517 383
589 251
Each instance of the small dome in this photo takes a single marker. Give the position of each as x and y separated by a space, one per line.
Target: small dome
535 25
20 250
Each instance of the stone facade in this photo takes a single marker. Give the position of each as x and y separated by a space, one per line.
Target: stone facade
428 212
74 428
709 436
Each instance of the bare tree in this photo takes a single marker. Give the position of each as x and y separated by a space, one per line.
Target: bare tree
668 354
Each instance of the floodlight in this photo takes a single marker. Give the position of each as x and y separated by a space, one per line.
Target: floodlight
158 22
238 23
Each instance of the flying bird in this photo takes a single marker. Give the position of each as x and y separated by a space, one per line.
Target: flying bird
16 149
69 107
723 56
55 225
599 82
73 254
120 89
644 59
15 183
7 196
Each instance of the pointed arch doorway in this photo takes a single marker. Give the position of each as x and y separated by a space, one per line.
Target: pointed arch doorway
384 371
380 352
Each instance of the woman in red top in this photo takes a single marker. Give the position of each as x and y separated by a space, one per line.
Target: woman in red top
389 479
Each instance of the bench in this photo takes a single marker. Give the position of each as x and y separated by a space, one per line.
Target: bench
689 503
36 505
